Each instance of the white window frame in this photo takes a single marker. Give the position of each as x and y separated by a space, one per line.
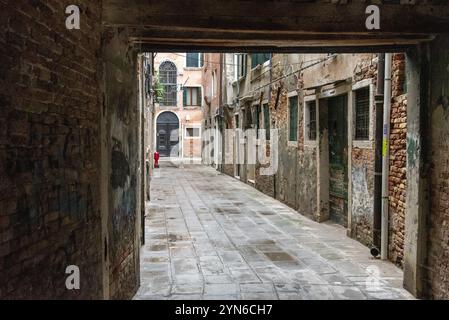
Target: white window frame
363 144
292 143
307 100
192 126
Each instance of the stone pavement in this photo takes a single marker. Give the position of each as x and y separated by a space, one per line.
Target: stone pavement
210 236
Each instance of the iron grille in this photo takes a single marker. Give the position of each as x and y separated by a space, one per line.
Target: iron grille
362 114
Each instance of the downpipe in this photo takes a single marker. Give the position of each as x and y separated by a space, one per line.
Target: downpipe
379 103
386 157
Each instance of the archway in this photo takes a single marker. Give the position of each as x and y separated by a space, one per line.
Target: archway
167 134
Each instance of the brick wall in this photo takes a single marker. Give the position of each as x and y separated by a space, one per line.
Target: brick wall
398 161
363 195
362 165
49 150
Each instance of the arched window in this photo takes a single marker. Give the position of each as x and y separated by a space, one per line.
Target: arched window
168 80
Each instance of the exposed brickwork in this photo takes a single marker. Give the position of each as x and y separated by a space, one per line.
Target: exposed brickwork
363 195
49 150
362 167
265 183
398 161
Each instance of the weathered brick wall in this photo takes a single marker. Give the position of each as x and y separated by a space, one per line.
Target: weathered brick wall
264 182
49 150
123 158
363 195
362 165
229 123
398 161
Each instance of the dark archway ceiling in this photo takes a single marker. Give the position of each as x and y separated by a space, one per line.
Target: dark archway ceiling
275 25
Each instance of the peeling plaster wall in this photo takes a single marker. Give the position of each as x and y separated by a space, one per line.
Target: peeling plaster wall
438 235
353 68
123 149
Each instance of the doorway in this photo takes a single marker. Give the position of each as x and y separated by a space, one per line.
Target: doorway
338 159
167 134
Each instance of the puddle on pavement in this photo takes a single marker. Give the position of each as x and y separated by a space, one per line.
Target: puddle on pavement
158 247
278 256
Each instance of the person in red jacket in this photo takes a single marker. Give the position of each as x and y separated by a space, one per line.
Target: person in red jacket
156 159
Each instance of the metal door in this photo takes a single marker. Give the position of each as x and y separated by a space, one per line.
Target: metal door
167 135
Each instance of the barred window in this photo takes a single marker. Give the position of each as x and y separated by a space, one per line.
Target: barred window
168 81
311 118
362 114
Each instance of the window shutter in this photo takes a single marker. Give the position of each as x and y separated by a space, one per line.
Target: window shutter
184 96
293 101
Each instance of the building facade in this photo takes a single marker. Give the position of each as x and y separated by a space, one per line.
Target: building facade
211 110
312 120
178 110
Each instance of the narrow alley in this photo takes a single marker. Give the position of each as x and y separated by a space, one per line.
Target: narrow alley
235 150
210 236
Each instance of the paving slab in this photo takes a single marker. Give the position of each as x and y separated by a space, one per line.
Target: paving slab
210 236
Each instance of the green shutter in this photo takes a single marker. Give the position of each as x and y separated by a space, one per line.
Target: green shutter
184 96
293 117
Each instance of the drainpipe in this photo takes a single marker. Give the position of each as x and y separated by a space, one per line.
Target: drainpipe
386 158
379 100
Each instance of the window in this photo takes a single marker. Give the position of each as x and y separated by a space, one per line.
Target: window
362 101
192 96
266 121
311 120
168 81
293 118
192 132
194 60
241 64
259 58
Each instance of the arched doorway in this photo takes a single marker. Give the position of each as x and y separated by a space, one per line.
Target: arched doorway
167 134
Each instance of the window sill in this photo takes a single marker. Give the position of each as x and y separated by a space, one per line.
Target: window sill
362 144
310 143
193 68
292 144
167 107
256 68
